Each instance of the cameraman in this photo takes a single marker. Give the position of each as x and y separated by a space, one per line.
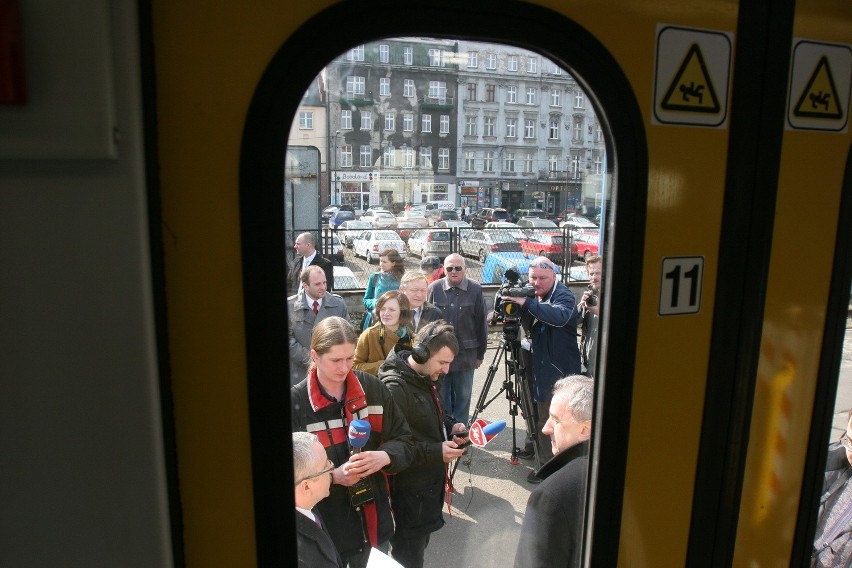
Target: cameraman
550 322
588 311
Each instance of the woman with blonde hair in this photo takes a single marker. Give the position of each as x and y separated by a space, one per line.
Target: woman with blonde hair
391 269
374 344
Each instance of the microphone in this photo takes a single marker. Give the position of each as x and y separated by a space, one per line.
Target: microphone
359 434
481 432
494 428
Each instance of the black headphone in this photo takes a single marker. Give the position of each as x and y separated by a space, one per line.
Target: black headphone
420 352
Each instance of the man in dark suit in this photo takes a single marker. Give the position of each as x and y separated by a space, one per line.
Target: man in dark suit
312 471
552 532
307 255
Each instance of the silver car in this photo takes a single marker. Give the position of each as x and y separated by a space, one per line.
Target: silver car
430 242
370 243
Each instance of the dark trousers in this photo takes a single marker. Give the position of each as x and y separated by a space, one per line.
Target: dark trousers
409 551
359 559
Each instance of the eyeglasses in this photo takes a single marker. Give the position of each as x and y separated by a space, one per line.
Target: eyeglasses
846 442
546 265
328 469
456 268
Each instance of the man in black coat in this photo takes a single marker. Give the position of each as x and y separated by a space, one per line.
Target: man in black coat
552 532
312 475
307 255
418 492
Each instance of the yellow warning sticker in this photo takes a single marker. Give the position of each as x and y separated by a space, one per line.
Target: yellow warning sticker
692 76
692 88
819 86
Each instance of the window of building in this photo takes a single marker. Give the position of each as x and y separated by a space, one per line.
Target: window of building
489 93
384 53
426 123
438 91
471 91
598 165
470 125
434 57
408 88
443 158
346 156
491 61
354 85
509 162
598 133
408 157
529 128
366 120
445 124
578 130
384 87
408 55
553 163
408 122
511 127
473 59
470 161
426 157
512 63
578 99
528 163
532 65
356 54
557 70
531 92
575 166
388 157
488 126
488 162
511 94
390 121
555 97
306 120
554 130
346 119
366 156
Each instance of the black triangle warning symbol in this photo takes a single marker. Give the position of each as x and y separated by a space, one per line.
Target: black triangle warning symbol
692 89
819 99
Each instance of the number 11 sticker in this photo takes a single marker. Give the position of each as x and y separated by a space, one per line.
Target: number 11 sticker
680 285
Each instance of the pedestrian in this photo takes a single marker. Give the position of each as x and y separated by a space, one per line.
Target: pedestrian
391 269
552 532
415 286
417 493
379 339
357 512
833 539
588 311
307 255
432 268
461 302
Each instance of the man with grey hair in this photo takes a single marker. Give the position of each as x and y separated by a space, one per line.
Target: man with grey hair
312 472
307 255
553 524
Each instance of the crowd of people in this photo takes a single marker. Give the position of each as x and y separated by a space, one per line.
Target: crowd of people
389 406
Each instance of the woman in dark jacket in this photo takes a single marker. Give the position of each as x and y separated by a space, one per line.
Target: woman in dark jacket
418 492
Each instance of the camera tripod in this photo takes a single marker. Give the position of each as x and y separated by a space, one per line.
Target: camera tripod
516 386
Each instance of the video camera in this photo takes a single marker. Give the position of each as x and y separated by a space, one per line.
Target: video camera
506 311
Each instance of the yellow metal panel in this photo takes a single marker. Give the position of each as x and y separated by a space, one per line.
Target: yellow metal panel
803 244
209 59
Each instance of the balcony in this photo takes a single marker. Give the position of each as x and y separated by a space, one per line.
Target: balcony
438 103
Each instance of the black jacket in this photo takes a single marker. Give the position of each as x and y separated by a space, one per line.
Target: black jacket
553 523
316 550
418 492
366 398
296 271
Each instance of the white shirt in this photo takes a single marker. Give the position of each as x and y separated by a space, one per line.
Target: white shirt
311 301
306 262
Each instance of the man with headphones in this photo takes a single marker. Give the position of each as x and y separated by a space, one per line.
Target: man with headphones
418 492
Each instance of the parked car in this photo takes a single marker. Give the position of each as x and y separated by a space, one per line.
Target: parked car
578 223
341 217
531 224
438 215
379 218
406 228
333 249
452 225
586 244
507 228
370 243
496 265
430 242
328 213
348 230
413 217
344 279
488 215
528 213
548 244
480 244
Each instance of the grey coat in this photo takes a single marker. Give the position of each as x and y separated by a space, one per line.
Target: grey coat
464 307
301 320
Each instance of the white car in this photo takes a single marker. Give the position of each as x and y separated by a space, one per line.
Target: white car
430 242
370 243
413 217
344 279
379 218
348 230
578 224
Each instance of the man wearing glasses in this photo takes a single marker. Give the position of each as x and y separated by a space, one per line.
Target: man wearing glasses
833 539
463 306
312 472
550 322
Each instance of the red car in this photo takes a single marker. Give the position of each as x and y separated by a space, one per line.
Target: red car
587 244
545 243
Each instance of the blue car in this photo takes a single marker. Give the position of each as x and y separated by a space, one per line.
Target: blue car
340 217
497 263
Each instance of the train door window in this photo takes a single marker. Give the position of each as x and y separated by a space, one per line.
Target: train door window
597 191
